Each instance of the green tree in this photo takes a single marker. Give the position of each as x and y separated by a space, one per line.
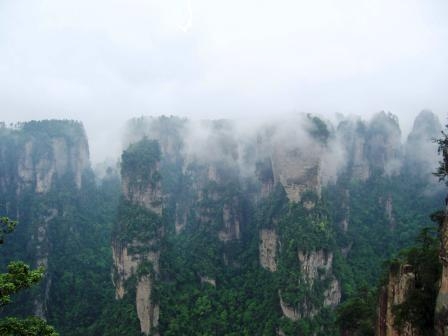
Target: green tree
18 277
442 169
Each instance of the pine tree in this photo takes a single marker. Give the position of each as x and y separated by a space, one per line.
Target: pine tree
18 277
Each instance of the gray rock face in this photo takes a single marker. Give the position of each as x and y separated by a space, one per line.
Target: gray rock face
420 150
384 148
126 264
395 292
42 254
441 311
372 147
314 266
297 170
268 249
144 194
135 256
62 157
38 154
353 137
319 265
231 222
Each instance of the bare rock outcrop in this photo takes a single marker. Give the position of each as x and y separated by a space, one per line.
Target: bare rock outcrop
401 280
62 156
441 310
134 254
145 195
268 249
384 150
314 266
231 222
297 170
126 265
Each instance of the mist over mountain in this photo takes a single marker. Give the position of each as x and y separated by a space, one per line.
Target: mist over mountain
254 227
104 62
194 167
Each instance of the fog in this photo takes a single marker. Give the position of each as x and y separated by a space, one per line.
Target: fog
103 62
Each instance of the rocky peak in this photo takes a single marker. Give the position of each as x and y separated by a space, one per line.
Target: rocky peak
353 135
45 150
167 131
384 143
420 150
426 125
141 179
136 253
315 266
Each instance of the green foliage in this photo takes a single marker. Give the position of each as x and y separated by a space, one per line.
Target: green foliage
245 300
138 163
19 277
118 317
31 326
136 222
442 169
356 316
6 226
371 237
319 129
68 129
418 308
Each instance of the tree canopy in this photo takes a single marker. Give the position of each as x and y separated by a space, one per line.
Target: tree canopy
18 277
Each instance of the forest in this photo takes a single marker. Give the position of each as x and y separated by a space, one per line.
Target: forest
220 235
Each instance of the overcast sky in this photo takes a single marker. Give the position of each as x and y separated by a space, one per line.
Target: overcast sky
104 61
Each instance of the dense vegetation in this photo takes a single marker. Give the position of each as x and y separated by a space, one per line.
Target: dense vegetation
210 269
77 225
18 277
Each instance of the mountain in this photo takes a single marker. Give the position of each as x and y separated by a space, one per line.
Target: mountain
47 185
214 227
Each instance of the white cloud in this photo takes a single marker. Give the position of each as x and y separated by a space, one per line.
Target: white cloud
106 61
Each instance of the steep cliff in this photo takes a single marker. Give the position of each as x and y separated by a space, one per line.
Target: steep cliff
384 150
401 281
296 162
409 302
218 193
420 150
268 249
373 147
316 271
40 159
138 231
253 228
441 308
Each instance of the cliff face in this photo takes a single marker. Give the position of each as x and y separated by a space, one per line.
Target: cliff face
143 194
39 159
384 149
135 247
420 149
297 170
214 191
268 249
208 174
401 280
315 266
441 309
373 147
39 152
